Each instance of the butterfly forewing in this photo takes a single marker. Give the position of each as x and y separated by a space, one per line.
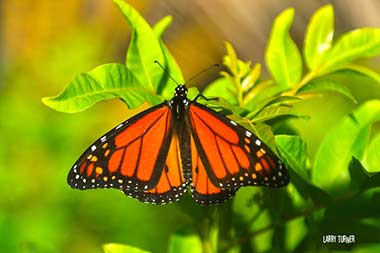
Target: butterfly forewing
232 156
130 156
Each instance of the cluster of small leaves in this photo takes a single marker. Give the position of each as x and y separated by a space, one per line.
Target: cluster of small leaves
344 173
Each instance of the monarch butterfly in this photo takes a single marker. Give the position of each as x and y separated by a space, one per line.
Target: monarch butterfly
158 154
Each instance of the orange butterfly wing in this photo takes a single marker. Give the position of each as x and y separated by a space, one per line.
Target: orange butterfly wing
204 192
231 155
172 184
130 156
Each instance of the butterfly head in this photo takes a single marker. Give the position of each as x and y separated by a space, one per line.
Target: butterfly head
181 91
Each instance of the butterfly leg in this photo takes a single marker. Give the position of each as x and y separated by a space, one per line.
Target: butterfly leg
200 95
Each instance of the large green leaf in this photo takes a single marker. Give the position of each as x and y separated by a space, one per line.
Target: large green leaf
144 48
361 179
185 243
222 88
293 150
360 43
348 138
372 156
167 86
121 248
322 85
104 82
282 56
319 35
360 70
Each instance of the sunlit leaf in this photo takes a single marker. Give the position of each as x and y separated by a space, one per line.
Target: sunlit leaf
348 138
372 156
221 88
362 70
319 36
185 243
104 82
230 60
121 248
160 27
272 112
360 43
317 86
281 103
251 78
144 48
167 86
260 94
282 56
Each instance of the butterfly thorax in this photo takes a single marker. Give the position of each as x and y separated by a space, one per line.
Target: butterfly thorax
179 103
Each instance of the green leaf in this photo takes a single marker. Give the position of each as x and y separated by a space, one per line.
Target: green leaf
144 48
185 243
272 112
121 248
160 27
358 174
362 70
167 86
282 56
372 156
260 94
360 43
361 179
282 103
104 82
348 138
221 88
231 60
322 85
252 77
293 150
319 35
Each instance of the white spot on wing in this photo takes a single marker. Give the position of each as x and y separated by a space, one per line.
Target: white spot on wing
93 148
248 134
103 139
119 126
258 142
233 123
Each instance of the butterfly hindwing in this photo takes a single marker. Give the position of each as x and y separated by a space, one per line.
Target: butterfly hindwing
172 184
204 192
130 156
232 156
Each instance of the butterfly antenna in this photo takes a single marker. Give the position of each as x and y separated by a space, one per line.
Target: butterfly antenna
203 71
164 69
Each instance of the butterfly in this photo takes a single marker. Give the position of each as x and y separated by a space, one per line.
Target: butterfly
160 153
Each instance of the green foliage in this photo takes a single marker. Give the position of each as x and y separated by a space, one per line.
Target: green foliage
348 138
282 55
120 248
331 192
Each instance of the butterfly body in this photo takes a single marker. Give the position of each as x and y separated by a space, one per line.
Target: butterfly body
157 155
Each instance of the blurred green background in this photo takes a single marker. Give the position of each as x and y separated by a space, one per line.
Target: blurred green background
44 44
